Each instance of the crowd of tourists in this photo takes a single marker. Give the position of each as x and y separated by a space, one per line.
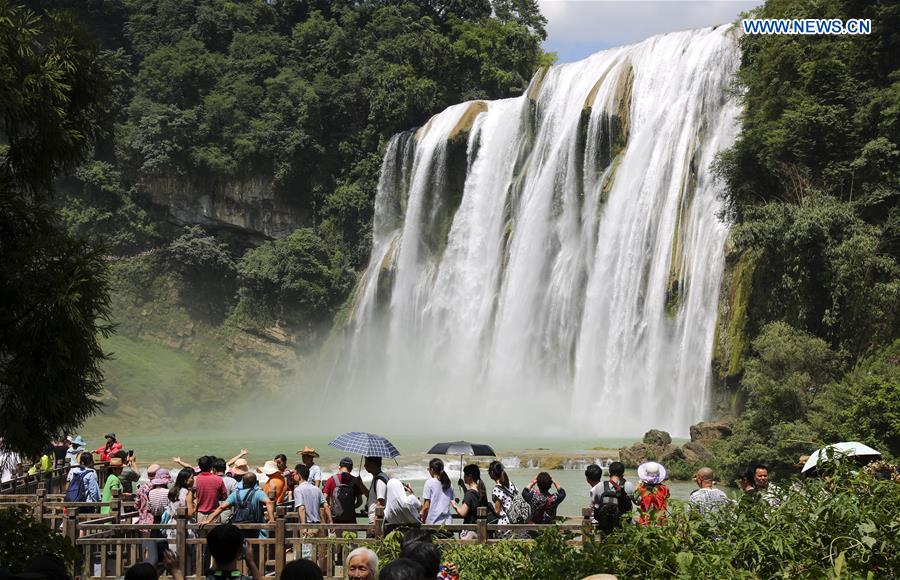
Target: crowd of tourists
219 491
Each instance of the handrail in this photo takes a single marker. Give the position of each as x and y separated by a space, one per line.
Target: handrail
110 543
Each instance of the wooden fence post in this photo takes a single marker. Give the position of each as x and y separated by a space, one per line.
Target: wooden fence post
39 505
481 522
587 527
116 509
379 522
280 546
181 538
70 530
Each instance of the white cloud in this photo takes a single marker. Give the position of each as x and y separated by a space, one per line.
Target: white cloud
577 28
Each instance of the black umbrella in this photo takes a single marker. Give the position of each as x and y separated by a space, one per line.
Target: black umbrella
462 448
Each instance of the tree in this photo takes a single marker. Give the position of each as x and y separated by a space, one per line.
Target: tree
54 296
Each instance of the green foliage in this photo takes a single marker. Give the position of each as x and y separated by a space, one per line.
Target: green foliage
208 270
293 279
865 405
22 539
842 527
53 289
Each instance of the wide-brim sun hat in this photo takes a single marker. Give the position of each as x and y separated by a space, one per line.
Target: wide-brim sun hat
307 450
269 468
240 467
77 440
151 471
162 477
652 472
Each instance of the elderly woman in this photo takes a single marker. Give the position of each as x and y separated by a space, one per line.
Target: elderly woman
362 564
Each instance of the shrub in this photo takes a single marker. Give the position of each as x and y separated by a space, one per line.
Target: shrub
23 539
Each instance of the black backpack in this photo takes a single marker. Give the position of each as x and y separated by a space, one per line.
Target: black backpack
611 505
246 510
343 501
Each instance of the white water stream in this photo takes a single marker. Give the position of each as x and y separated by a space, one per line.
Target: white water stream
551 264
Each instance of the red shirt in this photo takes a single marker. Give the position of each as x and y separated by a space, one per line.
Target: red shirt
346 479
208 490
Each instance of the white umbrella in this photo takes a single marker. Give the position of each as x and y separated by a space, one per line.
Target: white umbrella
843 449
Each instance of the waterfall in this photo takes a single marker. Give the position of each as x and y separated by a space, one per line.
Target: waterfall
551 263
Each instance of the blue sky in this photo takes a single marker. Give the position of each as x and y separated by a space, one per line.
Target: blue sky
578 28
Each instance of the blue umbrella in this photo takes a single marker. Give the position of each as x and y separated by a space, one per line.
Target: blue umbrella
367 444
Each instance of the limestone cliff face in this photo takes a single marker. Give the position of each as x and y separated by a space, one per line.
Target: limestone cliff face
250 204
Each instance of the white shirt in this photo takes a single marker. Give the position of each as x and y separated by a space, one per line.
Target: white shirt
315 474
8 463
377 491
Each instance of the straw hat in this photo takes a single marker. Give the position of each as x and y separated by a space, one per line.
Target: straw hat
269 468
151 471
307 450
240 467
115 462
652 472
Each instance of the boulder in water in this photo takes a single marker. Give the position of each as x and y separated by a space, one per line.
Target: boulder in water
657 438
710 430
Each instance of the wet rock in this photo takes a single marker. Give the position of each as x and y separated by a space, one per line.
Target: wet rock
710 430
637 454
672 453
696 452
657 438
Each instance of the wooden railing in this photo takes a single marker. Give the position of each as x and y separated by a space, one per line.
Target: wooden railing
110 543
53 480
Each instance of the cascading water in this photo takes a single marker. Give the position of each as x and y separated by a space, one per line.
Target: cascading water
551 263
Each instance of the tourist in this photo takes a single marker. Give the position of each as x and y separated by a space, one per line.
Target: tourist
141 496
142 571
230 483
109 448
209 489
182 493
503 493
307 456
250 506
275 485
309 502
376 496
286 472
708 498
614 499
543 503
301 569
651 495
239 469
231 463
157 507
10 461
402 507
437 495
344 493
475 496
76 448
83 485
227 547
131 473
426 554
401 569
112 483
60 447
39 464
593 474
362 564
762 486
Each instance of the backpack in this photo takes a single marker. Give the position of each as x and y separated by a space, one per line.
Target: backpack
343 501
246 510
610 506
77 490
519 511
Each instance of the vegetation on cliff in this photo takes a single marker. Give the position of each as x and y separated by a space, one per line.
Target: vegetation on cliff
813 188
